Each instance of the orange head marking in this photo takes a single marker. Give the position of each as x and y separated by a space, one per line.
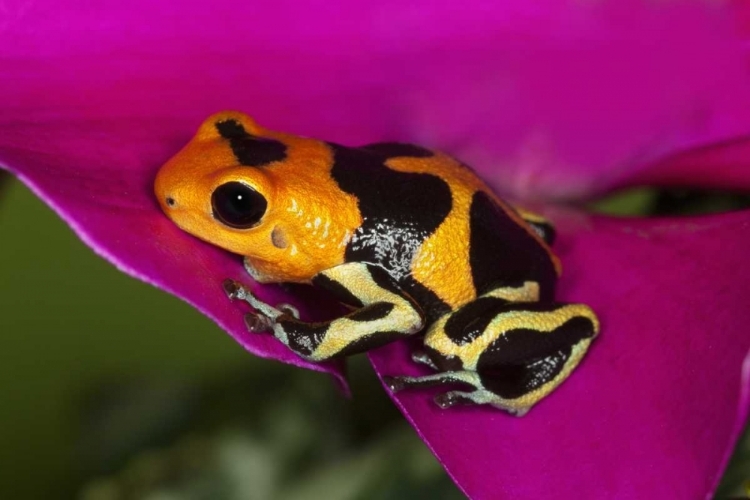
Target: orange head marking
216 188
261 194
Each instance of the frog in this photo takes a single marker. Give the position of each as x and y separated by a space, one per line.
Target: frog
410 240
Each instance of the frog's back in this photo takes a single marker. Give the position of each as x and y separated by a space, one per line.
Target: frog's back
436 227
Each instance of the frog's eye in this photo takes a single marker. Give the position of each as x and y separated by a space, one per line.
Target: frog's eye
238 205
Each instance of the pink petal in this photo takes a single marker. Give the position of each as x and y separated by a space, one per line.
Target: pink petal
99 177
720 166
552 100
655 408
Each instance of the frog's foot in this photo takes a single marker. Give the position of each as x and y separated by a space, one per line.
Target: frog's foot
264 317
257 323
237 291
510 354
423 358
289 310
452 398
477 395
447 399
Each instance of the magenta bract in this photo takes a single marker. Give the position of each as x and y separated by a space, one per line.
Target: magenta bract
550 101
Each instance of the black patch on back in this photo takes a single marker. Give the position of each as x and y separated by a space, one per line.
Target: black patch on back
378 310
396 149
400 210
339 291
471 320
250 150
523 360
502 253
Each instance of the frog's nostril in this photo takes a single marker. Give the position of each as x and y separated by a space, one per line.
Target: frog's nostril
170 201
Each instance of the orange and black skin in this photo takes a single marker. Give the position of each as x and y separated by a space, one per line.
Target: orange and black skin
409 237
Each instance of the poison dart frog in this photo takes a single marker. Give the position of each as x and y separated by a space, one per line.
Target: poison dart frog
409 238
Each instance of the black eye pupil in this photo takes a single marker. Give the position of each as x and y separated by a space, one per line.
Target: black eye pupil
238 205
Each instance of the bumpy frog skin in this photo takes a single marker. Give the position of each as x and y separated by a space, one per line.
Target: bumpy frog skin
410 238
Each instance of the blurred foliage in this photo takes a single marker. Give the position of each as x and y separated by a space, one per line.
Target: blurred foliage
278 436
113 390
650 202
736 481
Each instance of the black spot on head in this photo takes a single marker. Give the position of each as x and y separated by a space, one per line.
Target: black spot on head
231 129
250 150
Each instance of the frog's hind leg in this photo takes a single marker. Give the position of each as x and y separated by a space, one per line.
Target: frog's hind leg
476 394
511 355
458 377
465 377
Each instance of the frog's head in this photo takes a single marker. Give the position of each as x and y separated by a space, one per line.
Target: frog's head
218 187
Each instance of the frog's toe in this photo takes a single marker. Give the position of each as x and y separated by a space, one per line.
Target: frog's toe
395 384
423 358
289 310
450 399
257 323
233 289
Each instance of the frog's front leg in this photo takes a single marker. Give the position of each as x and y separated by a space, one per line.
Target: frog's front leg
267 314
509 354
384 314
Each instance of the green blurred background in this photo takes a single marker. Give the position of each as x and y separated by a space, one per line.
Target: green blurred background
111 389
